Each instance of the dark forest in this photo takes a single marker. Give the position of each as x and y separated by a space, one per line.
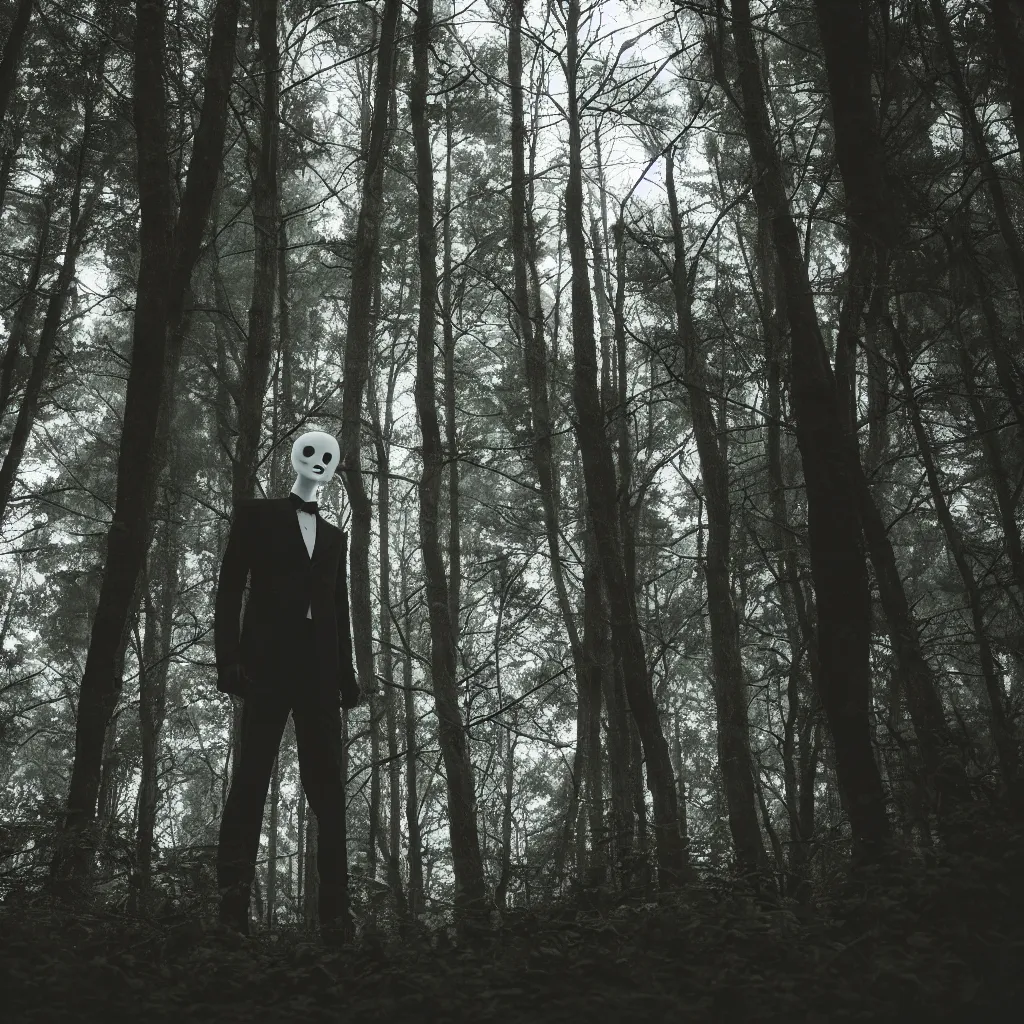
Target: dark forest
674 352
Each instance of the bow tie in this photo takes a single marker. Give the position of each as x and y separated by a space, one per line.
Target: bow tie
303 506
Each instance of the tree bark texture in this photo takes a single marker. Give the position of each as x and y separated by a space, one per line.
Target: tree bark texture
21 323
1002 728
600 478
169 250
450 424
412 798
535 359
985 424
590 691
153 688
467 863
834 530
843 27
973 130
1008 22
727 663
8 159
358 341
620 824
79 219
382 439
265 202
10 62
300 855
802 685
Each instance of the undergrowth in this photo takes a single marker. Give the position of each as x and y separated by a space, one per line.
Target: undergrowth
936 938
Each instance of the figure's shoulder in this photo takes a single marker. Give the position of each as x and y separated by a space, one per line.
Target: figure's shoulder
335 535
332 530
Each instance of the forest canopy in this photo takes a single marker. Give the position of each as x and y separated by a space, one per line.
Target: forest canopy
674 353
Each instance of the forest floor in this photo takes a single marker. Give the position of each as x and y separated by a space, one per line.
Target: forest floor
938 939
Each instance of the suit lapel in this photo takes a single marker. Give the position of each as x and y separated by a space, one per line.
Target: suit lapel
325 539
297 544
292 530
317 538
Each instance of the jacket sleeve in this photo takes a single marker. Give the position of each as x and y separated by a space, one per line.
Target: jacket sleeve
347 683
234 570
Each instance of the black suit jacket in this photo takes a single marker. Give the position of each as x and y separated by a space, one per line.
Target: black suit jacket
266 546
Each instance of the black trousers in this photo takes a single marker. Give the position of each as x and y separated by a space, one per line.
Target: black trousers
279 689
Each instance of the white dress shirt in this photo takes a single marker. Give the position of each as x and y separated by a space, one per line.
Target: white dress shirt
307 523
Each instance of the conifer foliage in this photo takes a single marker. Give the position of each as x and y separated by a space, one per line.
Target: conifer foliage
674 350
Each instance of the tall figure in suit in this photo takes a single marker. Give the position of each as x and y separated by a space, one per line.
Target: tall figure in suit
292 652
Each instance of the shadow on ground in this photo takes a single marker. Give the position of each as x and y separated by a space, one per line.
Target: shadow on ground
940 939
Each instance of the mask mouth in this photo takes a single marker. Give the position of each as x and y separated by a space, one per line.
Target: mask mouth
318 469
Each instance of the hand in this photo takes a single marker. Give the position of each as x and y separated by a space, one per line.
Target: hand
234 679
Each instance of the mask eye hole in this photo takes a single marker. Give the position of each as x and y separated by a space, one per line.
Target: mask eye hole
327 457
308 450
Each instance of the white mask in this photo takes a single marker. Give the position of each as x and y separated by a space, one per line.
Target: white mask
315 456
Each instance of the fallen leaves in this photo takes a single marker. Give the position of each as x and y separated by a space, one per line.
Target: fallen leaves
940 939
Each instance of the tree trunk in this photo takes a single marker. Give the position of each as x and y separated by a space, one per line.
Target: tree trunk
592 770
799 766
508 787
450 425
382 440
169 250
265 202
281 403
643 865
730 686
358 340
1009 371
508 735
153 690
843 28
285 345
834 529
871 224
616 311
374 706
147 797
627 514
611 839
8 159
877 367
1002 485
574 830
531 332
79 218
615 399
1008 23
973 130
106 799
11 60
1002 728
620 760
412 798
22 321
468 866
600 479
226 396
300 855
